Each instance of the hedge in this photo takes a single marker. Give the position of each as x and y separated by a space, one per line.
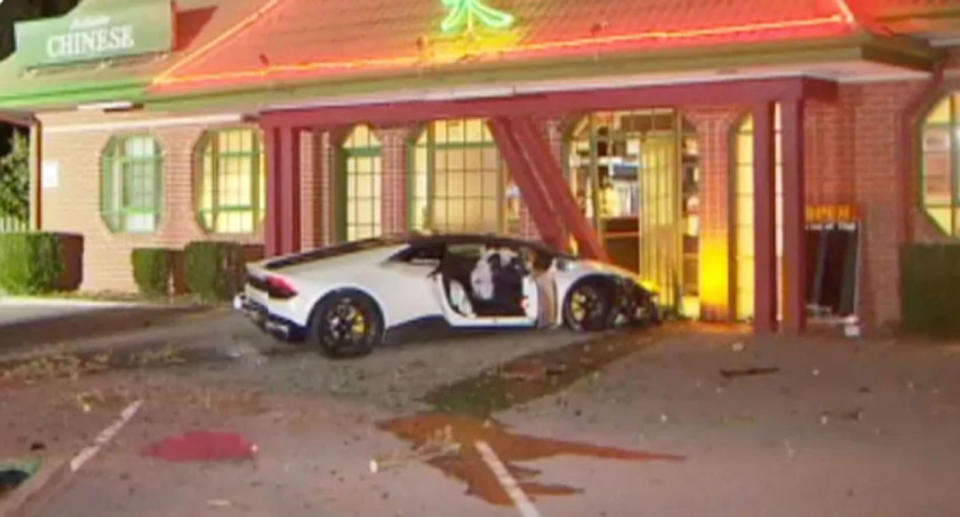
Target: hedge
30 263
153 270
215 270
930 289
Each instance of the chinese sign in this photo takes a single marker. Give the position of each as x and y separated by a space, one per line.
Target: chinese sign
128 29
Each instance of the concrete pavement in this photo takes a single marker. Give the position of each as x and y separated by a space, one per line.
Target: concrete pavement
828 427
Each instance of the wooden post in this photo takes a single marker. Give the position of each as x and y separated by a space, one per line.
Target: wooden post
794 236
764 219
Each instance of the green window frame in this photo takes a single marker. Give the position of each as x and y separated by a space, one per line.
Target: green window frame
131 184
939 192
231 181
359 189
458 182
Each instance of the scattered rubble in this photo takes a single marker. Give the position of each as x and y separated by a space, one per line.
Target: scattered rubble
730 374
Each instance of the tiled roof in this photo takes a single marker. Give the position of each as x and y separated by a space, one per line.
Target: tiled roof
302 39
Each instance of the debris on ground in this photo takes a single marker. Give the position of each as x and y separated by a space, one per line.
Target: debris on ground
219 503
202 446
730 374
440 443
530 377
737 347
791 452
467 465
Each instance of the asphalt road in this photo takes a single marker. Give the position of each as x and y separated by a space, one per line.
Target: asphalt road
625 424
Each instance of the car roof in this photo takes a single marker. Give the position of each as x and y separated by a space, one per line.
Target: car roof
411 239
485 239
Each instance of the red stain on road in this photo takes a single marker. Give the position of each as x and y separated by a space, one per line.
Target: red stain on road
202 446
467 465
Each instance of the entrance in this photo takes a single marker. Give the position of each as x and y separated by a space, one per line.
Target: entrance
636 176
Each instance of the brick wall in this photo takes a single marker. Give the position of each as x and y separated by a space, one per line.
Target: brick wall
394 179
312 190
74 205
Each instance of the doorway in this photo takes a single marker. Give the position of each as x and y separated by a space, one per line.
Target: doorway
636 177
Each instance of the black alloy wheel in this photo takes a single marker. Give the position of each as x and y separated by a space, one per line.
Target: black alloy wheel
588 306
347 324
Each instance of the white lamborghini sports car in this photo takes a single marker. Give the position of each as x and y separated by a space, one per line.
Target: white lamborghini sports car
344 298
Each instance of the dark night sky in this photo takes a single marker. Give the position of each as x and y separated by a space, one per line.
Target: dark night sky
12 11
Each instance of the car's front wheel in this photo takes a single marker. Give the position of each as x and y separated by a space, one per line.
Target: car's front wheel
347 324
588 306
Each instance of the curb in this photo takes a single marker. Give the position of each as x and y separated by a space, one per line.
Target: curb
67 302
37 490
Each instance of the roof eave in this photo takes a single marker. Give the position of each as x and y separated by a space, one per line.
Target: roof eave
857 46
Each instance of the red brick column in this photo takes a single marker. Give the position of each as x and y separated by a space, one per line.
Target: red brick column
714 126
328 199
393 179
311 192
877 110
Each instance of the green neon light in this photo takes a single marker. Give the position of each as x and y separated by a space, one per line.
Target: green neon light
465 13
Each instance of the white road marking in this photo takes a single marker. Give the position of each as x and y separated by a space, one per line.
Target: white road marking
510 485
104 437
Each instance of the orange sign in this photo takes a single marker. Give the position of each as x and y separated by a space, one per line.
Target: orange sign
844 213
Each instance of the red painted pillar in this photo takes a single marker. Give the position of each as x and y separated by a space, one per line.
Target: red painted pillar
764 219
548 172
534 197
289 165
794 236
282 222
271 223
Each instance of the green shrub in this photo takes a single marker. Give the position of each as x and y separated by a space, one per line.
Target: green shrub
930 289
153 270
215 270
30 263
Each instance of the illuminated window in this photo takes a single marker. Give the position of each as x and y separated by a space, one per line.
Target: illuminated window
458 182
360 189
231 181
130 197
940 188
743 228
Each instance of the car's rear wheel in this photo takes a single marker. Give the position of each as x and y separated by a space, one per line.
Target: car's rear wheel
347 324
588 306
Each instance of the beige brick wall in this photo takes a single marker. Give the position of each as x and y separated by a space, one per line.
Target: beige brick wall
74 205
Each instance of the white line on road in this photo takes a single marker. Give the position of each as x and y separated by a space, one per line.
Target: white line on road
509 484
104 437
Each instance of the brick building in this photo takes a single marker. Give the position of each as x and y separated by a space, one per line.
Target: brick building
690 141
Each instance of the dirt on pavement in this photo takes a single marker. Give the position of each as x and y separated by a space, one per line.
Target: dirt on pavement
821 426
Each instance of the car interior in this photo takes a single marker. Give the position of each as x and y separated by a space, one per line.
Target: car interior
489 277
